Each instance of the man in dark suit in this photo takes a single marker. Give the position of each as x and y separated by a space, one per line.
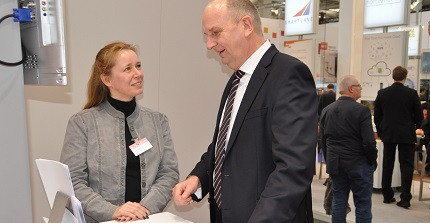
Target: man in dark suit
349 142
397 114
262 171
326 98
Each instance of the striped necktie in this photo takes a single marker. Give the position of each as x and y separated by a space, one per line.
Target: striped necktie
222 134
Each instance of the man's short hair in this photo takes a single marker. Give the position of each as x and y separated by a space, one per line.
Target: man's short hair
347 80
241 8
330 86
399 73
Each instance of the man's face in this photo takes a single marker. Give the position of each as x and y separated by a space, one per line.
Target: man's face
224 35
356 90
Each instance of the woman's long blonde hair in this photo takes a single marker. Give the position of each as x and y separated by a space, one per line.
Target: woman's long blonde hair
97 92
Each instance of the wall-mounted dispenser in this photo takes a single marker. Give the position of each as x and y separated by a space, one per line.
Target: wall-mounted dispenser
43 40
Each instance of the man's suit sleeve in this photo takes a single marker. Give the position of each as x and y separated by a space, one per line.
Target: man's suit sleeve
201 170
369 143
294 128
377 114
320 104
418 110
322 135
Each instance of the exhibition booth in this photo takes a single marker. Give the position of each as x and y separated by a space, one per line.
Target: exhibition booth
368 39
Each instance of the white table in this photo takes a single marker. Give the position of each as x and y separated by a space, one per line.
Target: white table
377 175
159 218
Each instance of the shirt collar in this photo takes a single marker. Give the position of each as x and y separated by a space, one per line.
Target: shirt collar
346 98
252 62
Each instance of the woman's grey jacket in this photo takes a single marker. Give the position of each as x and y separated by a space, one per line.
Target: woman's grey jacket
94 149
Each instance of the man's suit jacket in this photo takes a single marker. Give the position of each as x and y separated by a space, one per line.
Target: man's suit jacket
270 156
397 114
326 99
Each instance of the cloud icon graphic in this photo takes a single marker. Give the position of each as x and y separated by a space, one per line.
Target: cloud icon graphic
380 69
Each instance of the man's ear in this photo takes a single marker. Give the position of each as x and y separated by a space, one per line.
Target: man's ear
247 25
350 89
105 79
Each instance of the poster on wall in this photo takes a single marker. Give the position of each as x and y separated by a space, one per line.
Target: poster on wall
302 50
414 40
301 17
425 64
378 13
412 80
329 66
382 52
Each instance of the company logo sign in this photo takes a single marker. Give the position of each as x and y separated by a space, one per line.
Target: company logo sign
378 13
299 17
380 2
305 10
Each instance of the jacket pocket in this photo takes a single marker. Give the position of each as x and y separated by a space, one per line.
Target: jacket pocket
256 113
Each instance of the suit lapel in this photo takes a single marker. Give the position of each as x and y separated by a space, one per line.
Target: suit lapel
254 85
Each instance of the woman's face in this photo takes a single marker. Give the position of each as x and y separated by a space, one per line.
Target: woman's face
126 79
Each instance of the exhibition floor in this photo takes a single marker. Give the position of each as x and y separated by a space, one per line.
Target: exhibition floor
418 212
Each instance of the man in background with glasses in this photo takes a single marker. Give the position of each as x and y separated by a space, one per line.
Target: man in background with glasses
349 144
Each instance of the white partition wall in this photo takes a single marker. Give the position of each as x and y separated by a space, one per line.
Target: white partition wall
15 199
182 80
382 52
49 107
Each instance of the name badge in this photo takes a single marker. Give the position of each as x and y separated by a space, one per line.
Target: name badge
140 146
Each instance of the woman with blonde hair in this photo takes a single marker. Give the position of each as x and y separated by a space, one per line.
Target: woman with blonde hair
120 154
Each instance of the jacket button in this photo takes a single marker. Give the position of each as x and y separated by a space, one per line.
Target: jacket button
143 184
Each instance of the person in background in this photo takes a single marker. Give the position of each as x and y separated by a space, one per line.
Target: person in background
120 154
349 142
424 132
424 140
260 164
424 94
326 98
397 115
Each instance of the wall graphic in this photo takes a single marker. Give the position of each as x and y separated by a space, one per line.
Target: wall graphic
382 52
302 50
412 80
329 66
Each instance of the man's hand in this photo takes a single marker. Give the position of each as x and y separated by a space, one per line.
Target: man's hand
183 190
419 132
130 211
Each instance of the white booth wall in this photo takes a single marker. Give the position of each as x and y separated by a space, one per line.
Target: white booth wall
182 80
15 198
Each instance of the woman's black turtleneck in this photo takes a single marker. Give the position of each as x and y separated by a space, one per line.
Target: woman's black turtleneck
132 179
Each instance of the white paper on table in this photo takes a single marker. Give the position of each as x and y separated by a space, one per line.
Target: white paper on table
159 217
56 177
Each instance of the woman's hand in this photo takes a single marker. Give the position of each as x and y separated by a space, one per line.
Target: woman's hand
130 211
